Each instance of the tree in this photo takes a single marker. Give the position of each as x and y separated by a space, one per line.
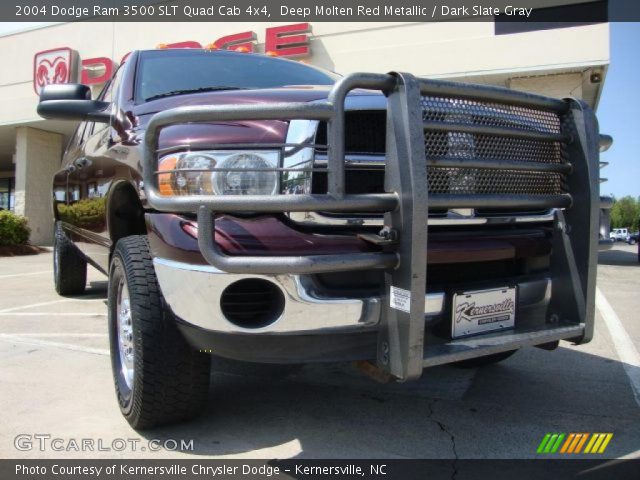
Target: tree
625 213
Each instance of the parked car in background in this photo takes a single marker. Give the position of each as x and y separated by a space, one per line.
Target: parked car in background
632 239
620 234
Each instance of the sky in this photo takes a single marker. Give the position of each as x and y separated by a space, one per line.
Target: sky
618 111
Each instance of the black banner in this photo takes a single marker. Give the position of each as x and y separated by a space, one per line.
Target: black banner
202 469
537 11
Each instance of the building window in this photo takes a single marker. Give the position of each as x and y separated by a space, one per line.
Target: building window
7 199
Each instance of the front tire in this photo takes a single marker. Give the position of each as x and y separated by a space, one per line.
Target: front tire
69 266
158 377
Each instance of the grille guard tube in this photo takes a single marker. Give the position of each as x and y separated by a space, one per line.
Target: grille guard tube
281 264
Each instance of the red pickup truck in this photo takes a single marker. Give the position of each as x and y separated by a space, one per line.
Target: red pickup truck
260 209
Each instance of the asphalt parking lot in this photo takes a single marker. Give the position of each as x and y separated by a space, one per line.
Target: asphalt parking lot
55 380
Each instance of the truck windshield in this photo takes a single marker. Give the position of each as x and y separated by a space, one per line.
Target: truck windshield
162 73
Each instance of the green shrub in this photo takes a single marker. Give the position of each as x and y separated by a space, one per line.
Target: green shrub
88 213
626 213
13 229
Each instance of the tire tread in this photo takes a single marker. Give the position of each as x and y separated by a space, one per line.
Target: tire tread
70 276
171 379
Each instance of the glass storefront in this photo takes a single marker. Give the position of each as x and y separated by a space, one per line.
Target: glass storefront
7 199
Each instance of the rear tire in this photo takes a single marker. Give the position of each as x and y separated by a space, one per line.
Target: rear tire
159 378
69 266
484 361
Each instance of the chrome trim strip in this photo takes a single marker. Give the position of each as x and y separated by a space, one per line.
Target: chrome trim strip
353 159
301 132
317 219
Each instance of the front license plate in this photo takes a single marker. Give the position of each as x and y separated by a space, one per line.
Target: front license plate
483 311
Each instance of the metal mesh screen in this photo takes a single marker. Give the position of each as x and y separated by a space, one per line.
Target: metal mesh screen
464 181
452 145
463 145
440 109
466 145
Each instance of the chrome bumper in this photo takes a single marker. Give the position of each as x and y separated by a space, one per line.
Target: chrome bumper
193 293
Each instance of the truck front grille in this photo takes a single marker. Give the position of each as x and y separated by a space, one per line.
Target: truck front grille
470 139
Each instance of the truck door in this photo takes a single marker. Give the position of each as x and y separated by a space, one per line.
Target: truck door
91 174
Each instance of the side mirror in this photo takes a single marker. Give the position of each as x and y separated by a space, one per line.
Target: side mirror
72 101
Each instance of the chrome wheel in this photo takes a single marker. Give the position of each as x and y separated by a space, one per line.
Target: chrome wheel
56 262
125 333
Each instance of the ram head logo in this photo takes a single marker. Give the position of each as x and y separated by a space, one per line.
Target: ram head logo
53 66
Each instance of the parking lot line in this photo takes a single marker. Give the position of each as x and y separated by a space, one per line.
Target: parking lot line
52 314
622 342
42 304
70 334
41 272
11 338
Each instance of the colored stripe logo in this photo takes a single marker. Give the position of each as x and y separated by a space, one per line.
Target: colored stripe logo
574 443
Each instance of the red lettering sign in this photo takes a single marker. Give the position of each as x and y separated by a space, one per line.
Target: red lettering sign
286 41
96 70
59 65
187 44
244 42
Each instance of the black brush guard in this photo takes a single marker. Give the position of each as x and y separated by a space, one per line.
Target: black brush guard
401 350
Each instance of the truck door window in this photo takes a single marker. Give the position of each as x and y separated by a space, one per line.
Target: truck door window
109 94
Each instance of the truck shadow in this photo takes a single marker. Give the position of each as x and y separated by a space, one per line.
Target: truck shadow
332 411
96 290
615 257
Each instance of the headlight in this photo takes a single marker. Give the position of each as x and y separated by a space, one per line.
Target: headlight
219 172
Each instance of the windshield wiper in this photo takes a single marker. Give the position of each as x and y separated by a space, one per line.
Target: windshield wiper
191 90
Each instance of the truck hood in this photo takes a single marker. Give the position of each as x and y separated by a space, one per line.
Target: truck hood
203 135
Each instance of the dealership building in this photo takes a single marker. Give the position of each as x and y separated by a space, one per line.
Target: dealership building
559 60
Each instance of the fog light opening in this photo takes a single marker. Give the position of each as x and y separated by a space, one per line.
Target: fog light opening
252 303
